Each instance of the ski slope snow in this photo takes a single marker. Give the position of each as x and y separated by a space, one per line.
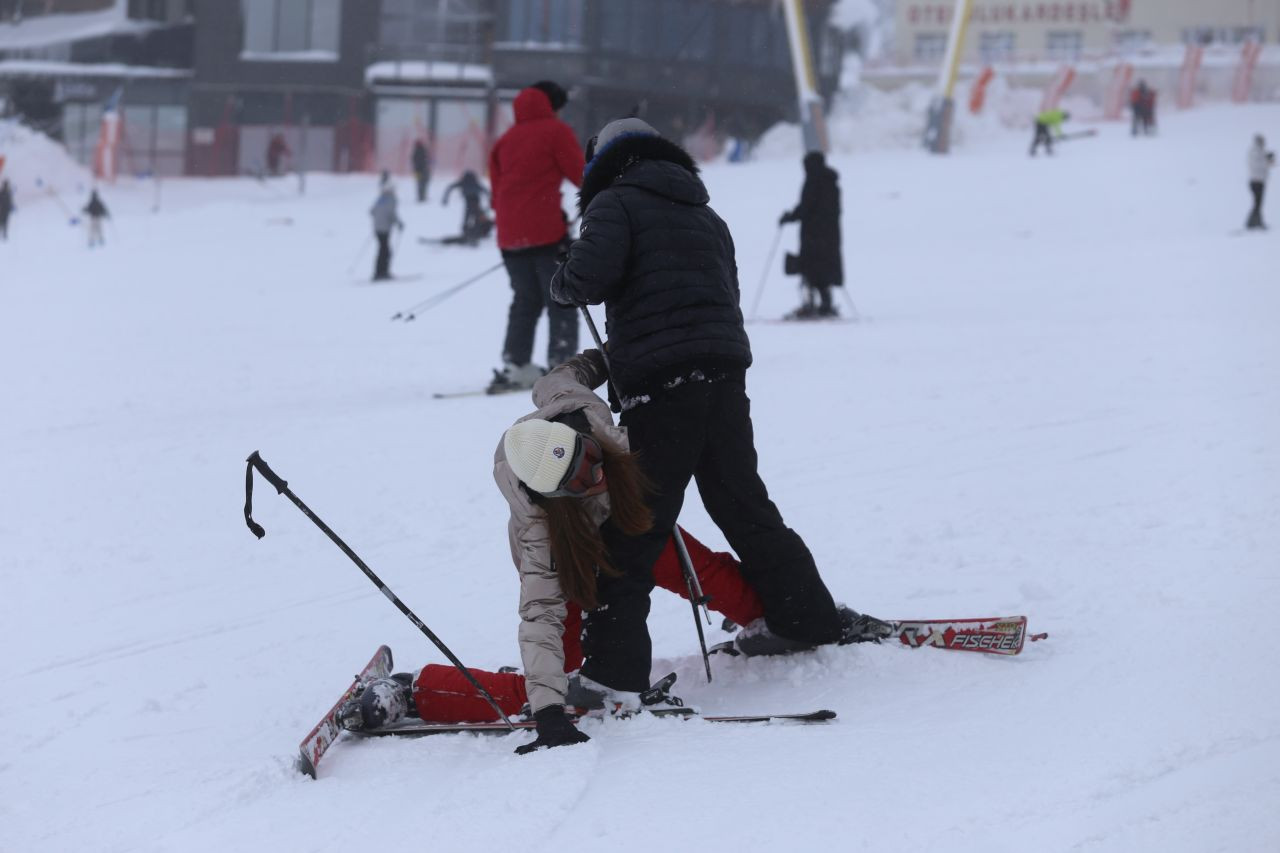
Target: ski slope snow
1061 400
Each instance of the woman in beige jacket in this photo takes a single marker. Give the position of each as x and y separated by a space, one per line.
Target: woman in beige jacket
565 471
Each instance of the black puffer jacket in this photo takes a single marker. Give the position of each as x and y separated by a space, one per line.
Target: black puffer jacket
661 261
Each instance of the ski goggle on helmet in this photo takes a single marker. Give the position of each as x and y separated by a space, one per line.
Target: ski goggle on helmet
586 469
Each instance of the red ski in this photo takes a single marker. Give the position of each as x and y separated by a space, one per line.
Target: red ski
314 745
994 636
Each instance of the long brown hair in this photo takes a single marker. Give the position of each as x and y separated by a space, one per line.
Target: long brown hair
577 550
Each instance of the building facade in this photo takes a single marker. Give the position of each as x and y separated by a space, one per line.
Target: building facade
1028 31
291 70
62 61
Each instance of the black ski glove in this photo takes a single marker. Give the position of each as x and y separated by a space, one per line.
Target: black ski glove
554 729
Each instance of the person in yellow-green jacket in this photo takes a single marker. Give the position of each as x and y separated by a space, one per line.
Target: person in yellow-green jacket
1048 128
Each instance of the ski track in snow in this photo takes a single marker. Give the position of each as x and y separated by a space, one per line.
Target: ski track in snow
1060 400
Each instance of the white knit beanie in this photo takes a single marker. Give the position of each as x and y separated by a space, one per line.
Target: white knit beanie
539 452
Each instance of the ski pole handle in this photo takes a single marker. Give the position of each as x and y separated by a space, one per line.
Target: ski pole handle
256 461
265 470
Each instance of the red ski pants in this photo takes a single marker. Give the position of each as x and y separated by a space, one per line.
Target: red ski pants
443 695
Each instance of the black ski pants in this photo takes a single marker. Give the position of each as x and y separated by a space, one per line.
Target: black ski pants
1258 188
701 431
422 177
382 264
1042 137
530 271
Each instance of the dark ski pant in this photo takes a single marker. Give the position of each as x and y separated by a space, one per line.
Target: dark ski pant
701 431
1042 137
530 271
1255 215
471 218
4 227
382 264
422 178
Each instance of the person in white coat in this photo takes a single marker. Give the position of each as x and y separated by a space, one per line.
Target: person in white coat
1260 162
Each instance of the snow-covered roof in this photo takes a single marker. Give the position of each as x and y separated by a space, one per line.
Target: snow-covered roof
418 70
45 30
29 67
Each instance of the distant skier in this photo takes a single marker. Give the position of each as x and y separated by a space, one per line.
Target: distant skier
820 266
421 168
96 211
1048 128
7 208
475 224
277 151
527 166
1142 103
1260 162
385 217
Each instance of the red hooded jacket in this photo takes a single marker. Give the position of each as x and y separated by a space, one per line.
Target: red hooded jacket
526 167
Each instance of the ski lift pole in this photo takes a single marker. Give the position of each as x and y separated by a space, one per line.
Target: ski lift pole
281 486
696 596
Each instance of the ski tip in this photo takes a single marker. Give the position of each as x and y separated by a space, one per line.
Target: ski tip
1043 635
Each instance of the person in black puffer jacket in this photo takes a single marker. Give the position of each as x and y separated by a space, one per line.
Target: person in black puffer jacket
662 262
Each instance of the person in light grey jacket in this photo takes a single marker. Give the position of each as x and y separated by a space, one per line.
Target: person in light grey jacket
1260 162
385 217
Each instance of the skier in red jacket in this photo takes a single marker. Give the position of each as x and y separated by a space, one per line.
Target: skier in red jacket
527 166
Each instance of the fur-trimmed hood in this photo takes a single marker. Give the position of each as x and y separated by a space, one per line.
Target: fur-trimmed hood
646 161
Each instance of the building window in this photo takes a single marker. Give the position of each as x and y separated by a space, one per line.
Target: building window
1129 42
930 47
1065 45
543 22
996 47
291 28
1223 35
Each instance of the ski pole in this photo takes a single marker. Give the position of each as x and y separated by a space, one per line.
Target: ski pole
777 238
256 461
410 313
351 267
694 586
852 307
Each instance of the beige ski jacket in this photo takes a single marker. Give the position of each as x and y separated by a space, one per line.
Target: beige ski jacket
565 389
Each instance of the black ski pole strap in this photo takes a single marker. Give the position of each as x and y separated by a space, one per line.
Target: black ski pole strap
256 461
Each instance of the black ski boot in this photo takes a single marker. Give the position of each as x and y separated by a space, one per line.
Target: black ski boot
857 627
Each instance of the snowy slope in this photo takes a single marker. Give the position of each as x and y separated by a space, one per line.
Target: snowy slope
1062 401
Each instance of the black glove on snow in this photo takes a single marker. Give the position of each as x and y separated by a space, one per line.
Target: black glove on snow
554 729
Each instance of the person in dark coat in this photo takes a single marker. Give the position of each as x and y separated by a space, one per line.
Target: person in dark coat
662 262
421 168
474 223
527 166
820 266
96 211
277 151
7 207
1142 103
